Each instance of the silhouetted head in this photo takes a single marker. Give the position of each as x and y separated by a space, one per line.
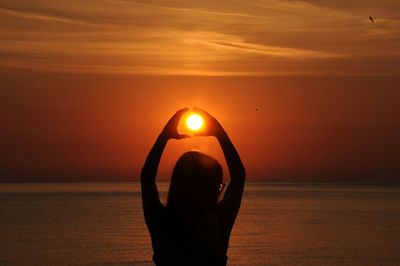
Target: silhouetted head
195 183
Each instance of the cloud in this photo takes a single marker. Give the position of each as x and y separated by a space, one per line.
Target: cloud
45 17
236 45
188 10
265 37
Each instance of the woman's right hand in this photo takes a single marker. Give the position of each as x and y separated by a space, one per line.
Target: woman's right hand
212 126
170 130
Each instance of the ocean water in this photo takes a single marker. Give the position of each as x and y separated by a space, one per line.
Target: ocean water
278 224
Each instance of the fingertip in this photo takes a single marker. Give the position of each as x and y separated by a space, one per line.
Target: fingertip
199 110
182 111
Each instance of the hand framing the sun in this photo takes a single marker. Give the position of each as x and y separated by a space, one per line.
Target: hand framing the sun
212 128
170 130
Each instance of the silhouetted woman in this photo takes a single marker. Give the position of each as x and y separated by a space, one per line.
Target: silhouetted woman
193 228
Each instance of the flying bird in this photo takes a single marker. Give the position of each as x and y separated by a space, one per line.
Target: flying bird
372 19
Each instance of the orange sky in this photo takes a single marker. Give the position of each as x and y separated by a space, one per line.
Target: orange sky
227 37
86 86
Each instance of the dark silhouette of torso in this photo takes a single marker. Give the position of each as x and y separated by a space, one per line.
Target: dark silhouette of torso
193 228
198 239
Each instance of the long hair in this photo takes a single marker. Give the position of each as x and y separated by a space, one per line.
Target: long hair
195 183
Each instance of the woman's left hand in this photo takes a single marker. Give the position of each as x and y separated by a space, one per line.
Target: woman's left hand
170 130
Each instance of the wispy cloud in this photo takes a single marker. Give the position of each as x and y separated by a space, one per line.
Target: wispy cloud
48 18
188 10
239 46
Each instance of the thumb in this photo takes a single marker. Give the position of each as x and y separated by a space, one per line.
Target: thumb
183 136
200 134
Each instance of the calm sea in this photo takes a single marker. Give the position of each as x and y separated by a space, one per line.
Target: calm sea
278 224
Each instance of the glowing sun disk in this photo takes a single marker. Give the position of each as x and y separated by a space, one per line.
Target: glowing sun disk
194 122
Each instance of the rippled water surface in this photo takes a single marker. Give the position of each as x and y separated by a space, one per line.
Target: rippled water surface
278 224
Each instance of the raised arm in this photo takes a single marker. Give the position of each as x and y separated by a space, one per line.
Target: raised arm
150 197
230 204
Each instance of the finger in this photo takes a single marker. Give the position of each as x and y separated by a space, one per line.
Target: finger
199 110
174 120
182 111
179 113
183 136
205 114
201 134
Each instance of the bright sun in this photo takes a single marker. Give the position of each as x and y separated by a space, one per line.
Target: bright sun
194 122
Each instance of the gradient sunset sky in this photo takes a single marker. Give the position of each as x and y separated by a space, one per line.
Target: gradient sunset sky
307 90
